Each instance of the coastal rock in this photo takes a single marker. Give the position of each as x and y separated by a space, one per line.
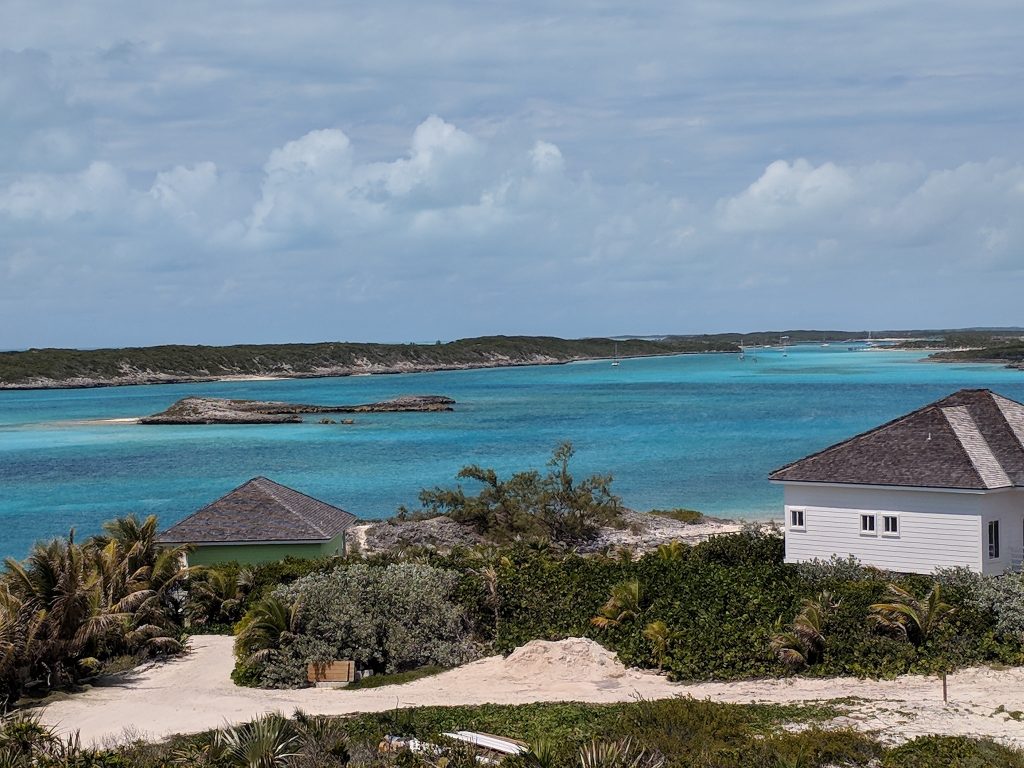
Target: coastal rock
641 532
441 533
212 410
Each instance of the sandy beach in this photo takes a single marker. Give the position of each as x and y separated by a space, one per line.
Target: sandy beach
195 693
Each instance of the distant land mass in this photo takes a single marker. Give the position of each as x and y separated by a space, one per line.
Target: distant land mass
73 368
172 364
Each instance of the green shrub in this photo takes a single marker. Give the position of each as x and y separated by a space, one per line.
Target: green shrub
952 752
389 619
680 514
398 678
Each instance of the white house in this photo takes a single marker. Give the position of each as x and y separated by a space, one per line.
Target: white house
942 486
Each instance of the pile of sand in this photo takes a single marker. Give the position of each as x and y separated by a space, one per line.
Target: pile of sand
577 658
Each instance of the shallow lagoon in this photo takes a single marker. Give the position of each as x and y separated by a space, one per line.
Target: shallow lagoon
700 431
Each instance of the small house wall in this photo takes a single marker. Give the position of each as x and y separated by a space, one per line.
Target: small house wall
251 554
937 529
1008 508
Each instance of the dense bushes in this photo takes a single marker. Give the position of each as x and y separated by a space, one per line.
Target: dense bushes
709 611
721 602
388 619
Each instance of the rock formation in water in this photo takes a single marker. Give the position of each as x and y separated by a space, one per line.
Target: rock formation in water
213 410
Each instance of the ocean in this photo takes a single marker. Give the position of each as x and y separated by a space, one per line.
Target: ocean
697 431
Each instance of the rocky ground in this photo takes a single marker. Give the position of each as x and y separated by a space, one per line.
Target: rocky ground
641 532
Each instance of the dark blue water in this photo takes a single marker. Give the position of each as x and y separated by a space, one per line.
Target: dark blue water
700 431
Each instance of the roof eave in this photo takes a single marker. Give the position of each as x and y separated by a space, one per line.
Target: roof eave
881 486
249 542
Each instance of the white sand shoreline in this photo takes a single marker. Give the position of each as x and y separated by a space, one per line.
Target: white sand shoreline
195 693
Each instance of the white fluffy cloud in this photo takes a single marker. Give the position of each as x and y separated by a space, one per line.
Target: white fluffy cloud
98 190
501 224
171 171
967 216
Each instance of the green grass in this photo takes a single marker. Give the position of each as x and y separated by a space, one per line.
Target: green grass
687 733
398 678
680 514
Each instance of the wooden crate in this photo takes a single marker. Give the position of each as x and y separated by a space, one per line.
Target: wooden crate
343 671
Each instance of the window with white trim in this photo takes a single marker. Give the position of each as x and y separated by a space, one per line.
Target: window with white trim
890 525
993 540
867 525
796 520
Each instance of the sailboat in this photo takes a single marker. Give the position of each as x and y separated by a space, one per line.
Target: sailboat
615 360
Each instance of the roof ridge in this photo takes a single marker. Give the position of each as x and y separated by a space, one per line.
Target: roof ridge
1015 420
990 471
287 504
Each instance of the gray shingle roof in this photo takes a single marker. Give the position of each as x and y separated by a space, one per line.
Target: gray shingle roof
260 511
972 439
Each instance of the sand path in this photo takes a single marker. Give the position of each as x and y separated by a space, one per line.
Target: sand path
195 693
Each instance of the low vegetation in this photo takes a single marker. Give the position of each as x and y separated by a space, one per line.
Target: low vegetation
680 515
675 733
397 678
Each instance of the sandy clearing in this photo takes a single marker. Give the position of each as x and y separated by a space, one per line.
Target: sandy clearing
195 693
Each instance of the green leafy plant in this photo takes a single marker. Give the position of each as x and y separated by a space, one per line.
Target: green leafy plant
803 644
623 605
910 617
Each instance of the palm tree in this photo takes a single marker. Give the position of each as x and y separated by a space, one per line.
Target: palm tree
491 561
671 551
267 742
69 604
660 637
58 583
915 619
217 596
623 605
804 643
268 625
618 754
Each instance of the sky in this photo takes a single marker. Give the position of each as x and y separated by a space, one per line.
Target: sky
244 172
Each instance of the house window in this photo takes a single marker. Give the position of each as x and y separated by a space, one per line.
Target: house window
796 520
993 540
867 525
890 525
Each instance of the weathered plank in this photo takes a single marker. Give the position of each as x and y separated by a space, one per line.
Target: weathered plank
343 671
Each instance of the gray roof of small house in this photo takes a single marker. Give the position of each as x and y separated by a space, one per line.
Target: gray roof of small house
972 439
260 511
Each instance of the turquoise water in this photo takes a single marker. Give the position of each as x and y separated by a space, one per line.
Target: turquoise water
700 431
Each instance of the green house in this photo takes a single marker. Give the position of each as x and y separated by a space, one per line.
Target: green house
261 521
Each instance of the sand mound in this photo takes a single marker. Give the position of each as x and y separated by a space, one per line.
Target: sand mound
576 658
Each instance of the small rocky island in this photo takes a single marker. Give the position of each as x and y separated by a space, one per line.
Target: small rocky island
213 410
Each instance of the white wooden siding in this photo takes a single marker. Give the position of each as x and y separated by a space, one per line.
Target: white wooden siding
937 529
1008 509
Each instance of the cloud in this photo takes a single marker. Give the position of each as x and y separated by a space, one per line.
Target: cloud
489 231
97 191
789 194
966 215
40 128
